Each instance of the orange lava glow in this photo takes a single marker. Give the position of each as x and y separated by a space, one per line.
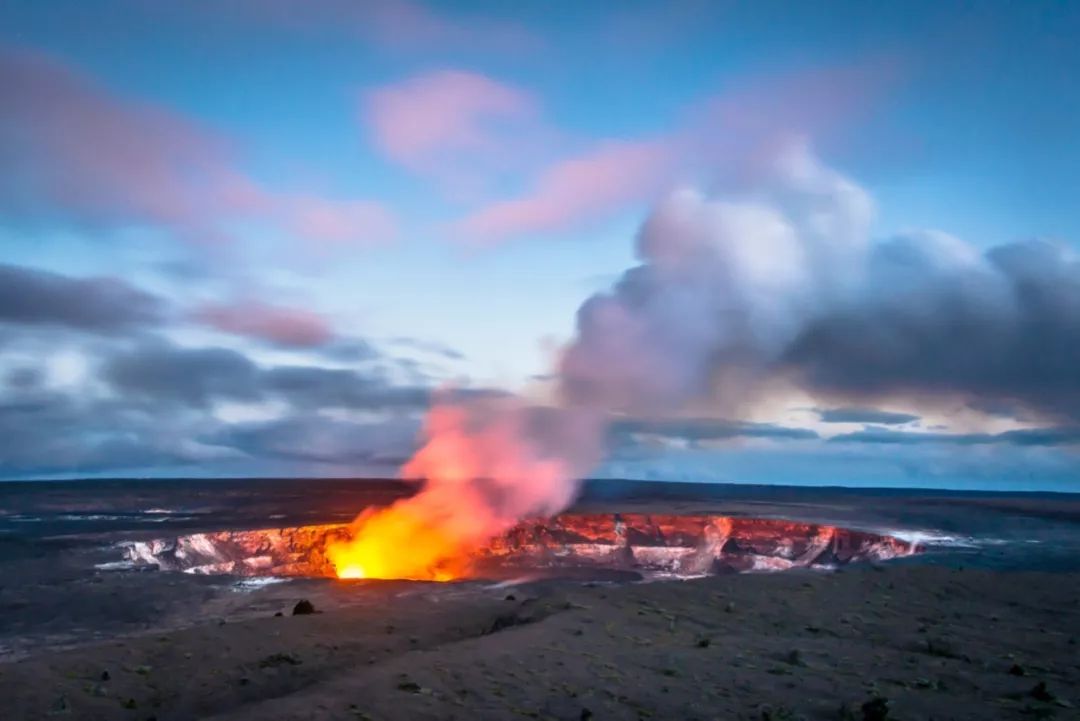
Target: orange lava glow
396 542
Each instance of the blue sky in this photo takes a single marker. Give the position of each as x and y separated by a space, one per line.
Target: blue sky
420 195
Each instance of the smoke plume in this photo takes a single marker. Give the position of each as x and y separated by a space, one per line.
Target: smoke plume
777 281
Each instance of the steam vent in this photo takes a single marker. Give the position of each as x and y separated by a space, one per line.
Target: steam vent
629 545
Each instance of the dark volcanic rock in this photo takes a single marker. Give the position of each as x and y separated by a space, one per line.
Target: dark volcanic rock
303 608
876 709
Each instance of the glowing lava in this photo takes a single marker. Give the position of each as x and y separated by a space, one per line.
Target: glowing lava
402 541
347 572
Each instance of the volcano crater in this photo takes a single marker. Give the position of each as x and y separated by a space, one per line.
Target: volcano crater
615 545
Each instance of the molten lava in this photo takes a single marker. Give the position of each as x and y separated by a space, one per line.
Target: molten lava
395 542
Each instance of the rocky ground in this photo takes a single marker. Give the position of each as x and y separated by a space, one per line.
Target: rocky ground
897 642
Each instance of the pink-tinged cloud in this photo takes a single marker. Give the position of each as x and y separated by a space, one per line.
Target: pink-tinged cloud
333 223
427 119
75 152
723 138
280 325
70 145
577 190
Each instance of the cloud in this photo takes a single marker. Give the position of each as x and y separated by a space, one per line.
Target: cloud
199 377
1026 437
310 387
936 316
44 431
312 438
278 325
349 350
23 378
429 119
865 415
72 146
190 376
781 284
77 153
149 404
427 346
331 223
600 181
723 287
30 296
729 140
706 429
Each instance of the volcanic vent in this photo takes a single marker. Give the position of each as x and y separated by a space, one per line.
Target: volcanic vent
635 545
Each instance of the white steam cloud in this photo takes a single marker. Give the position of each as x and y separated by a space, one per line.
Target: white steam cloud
724 287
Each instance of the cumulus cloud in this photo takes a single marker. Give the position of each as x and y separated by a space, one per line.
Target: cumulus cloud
723 288
29 296
778 283
1000 326
783 282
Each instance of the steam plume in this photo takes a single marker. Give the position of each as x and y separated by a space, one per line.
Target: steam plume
779 280
783 282
486 464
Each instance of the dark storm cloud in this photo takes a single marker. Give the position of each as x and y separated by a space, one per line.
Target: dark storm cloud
311 438
705 429
865 415
52 432
30 296
199 376
194 377
23 378
1003 328
1027 437
313 387
160 415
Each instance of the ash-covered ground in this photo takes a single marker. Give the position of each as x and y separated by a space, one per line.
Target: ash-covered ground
969 628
